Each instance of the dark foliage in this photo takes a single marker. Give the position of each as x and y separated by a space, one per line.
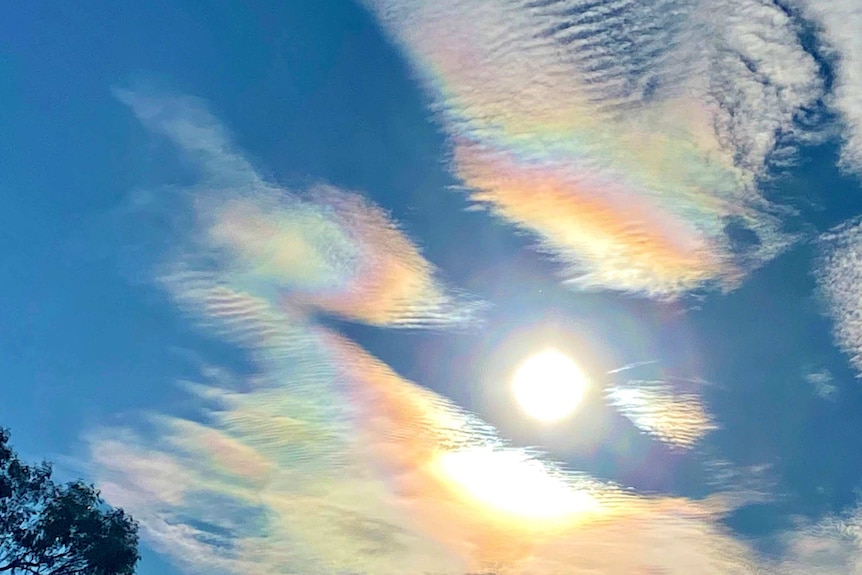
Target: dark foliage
46 529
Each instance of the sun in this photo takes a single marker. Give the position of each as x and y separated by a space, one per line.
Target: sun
548 386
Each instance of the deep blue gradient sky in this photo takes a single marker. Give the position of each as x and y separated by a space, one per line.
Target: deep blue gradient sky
313 91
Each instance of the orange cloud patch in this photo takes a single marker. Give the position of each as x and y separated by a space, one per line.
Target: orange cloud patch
610 237
624 136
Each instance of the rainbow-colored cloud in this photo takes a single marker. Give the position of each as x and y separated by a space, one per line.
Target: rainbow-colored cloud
329 462
323 460
323 250
628 137
675 416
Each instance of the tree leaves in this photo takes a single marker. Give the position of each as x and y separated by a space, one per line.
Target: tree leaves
47 529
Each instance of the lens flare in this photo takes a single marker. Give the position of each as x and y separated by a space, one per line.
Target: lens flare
511 483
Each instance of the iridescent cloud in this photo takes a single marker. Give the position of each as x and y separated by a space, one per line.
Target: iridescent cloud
659 408
332 463
322 250
324 460
628 137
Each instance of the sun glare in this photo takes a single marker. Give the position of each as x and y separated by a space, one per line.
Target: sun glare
548 386
510 482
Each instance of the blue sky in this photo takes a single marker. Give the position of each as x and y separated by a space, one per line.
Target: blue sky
332 92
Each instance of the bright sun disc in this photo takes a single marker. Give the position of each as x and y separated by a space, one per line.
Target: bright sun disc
548 385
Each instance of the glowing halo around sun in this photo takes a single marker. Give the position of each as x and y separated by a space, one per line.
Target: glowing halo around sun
548 386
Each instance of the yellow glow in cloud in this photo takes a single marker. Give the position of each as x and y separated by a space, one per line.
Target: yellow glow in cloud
505 511
289 242
624 136
510 483
620 243
454 500
324 249
325 461
332 251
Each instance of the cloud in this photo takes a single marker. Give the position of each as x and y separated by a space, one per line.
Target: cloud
628 137
321 459
840 279
839 22
823 383
329 462
660 408
323 250
829 545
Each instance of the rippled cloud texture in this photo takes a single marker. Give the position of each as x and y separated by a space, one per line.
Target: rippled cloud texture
838 23
321 459
840 277
629 137
664 409
322 250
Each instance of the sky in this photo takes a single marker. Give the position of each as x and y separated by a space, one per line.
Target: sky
271 269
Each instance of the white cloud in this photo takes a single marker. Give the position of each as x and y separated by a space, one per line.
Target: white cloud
840 279
676 416
831 546
624 135
839 23
326 249
823 383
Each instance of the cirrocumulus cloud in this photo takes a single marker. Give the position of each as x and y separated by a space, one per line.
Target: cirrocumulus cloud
320 458
628 137
675 416
323 250
326 461
840 279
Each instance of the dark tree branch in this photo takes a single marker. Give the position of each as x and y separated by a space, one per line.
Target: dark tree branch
47 529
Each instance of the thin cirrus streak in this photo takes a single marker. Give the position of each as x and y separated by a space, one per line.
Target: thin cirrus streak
627 136
323 250
658 408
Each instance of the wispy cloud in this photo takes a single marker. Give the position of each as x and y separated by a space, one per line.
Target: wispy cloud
830 545
329 462
628 137
326 461
670 409
322 249
839 22
417 486
823 383
840 279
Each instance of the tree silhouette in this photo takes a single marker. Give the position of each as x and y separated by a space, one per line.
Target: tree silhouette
46 529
